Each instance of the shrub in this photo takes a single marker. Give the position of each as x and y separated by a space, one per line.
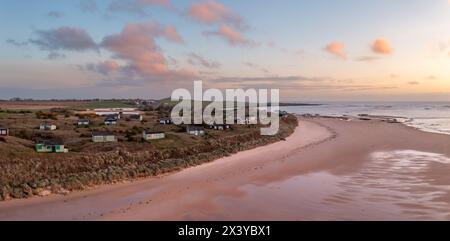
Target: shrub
46 115
23 134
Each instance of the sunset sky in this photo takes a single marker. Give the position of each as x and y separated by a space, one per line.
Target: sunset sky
312 50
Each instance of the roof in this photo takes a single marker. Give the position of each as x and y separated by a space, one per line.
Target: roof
195 128
115 116
3 128
135 116
164 118
50 142
154 132
102 133
83 120
110 119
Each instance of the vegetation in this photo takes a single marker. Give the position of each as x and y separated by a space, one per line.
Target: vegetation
47 115
26 173
104 104
15 111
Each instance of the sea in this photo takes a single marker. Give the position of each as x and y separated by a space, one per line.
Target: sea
427 116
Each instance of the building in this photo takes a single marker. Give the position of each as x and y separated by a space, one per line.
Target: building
219 127
165 121
247 120
195 130
4 131
115 111
83 122
47 127
114 116
110 121
135 117
153 135
55 145
103 136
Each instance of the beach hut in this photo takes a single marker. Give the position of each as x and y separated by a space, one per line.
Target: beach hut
219 127
103 136
195 130
110 121
55 145
165 121
135 117
47 127
153 135
83 122
4 131
114 116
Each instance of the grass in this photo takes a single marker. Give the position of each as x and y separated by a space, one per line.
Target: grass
104 104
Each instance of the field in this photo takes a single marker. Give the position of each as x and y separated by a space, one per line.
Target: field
26 173
47 105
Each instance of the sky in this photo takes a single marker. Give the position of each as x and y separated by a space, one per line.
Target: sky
321 50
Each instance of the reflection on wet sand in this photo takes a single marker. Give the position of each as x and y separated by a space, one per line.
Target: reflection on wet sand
392 185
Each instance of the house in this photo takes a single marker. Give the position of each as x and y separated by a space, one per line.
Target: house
47 127
114 116
195 130
135 117
83 122
103 136
153 135
4 131
55 145
165 121
247 120
219 127
110 121
115 111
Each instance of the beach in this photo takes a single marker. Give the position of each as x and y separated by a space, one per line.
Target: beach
328 169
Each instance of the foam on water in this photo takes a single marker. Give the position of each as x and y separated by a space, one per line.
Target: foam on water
427 116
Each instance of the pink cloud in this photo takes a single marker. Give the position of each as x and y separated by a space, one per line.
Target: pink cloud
105 67
382 46
156 30
111 65
336 49
211 12
195 59
233 37
136 45
170 32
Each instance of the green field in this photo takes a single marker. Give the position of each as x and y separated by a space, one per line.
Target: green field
104 104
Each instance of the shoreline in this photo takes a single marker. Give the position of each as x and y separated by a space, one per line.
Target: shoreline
331 155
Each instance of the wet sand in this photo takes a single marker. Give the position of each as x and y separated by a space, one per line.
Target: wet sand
327 170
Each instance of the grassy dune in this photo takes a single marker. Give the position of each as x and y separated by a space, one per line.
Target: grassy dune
26 173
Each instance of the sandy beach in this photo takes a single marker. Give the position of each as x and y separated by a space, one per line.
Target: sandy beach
329 169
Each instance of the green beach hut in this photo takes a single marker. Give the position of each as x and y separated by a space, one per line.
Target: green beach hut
54 145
